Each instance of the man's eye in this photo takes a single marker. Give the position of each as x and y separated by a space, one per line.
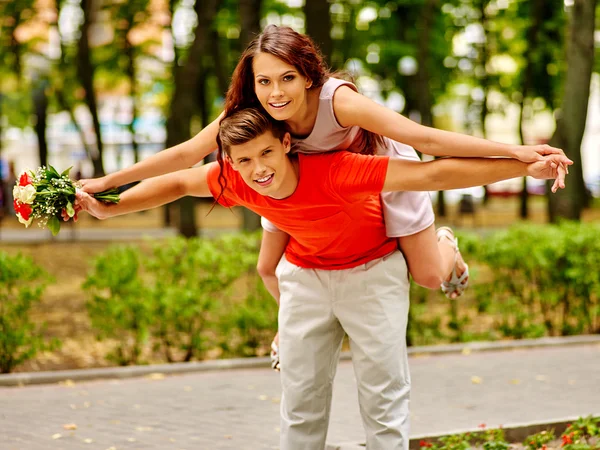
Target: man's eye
266 152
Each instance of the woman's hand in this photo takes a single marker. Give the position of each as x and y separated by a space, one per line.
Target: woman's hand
94 185
533 153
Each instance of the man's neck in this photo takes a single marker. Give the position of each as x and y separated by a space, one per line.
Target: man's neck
291 179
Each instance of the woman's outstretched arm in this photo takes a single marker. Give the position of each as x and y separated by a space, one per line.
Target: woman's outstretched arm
151 193
354 109
179 157
457 173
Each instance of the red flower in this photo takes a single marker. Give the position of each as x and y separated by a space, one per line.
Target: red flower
25 179
544 447
481 425
567 439
425 444
23 209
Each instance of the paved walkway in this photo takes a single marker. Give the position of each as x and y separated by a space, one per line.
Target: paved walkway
239 409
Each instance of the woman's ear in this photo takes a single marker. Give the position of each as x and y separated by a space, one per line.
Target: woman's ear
309 83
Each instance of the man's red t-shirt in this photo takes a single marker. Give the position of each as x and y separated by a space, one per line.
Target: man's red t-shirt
334 216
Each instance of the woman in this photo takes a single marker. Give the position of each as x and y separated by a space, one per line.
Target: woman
330 282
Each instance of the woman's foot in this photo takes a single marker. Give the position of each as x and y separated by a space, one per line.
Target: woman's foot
458 280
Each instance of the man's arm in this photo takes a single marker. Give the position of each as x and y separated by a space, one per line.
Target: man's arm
151 193
456 173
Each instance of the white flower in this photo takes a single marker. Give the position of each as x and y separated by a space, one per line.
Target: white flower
24 194
23 221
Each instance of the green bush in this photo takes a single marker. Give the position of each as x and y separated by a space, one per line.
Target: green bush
21 286
119 307
190 280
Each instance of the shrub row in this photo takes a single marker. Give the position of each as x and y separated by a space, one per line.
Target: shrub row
180 298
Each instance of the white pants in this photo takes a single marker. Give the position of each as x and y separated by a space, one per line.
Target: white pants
369 303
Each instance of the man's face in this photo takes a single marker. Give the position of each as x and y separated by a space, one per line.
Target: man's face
264 165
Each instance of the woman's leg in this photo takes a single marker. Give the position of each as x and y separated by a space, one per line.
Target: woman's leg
431 260
409 217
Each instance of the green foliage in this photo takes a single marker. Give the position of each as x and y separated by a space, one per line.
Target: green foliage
119 307
21 286
545 279
538 440
190 279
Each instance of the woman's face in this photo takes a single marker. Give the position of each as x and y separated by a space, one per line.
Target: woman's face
279 87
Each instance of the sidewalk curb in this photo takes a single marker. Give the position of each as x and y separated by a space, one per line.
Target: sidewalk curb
513 433
28 378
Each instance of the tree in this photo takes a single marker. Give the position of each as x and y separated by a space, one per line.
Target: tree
85 73
570 126
185 95
318 25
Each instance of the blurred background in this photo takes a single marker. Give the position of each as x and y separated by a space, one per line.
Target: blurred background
100 84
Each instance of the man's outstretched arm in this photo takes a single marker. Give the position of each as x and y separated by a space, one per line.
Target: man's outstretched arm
457 173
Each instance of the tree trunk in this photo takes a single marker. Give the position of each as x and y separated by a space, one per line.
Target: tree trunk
536 15
484 80
184 101
568 203
250 20
40 102
318 26
250 14
131 74
85 72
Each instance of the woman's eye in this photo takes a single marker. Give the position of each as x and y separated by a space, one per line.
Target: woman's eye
288 78
263 82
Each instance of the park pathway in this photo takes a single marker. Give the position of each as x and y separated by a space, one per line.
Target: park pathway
239 409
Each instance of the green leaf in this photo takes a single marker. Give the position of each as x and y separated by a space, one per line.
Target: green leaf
53 225
66 172
70 209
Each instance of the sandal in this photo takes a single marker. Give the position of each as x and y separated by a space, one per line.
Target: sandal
275 365
456 284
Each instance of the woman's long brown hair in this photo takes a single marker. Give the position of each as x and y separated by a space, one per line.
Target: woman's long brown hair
295 49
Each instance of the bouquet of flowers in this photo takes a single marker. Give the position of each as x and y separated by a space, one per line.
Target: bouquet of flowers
44 194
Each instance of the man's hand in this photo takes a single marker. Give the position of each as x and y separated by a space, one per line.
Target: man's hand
533 153
86 202
550 167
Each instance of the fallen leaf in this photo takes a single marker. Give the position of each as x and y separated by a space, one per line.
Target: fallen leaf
262 397
541 377
143 428
70 426
515 381
275 400
131 439
172 440
466 351
228 436
88 441
56 436
476 380
67 383
156 376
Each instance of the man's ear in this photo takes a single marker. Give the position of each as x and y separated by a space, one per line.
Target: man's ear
230 161
287 142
